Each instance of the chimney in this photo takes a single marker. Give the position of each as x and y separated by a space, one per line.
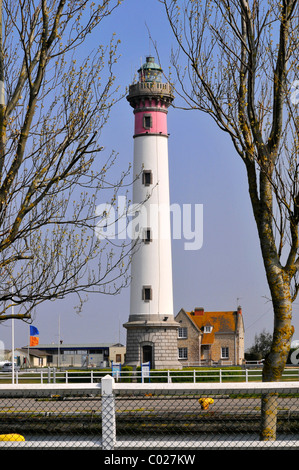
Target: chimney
199 311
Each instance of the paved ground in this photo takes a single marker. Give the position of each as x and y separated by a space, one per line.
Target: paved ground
147 404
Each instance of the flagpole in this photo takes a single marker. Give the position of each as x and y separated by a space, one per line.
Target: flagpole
28 347
13 342
58 350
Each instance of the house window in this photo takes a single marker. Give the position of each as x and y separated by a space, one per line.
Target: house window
183 353
183 332
147 177
147 235
207 329
147 121
146 293
224 353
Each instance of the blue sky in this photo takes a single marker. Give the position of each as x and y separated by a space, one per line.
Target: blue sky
204 169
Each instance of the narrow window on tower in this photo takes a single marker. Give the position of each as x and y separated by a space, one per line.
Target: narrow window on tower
147 121
147 235
147 177
146 293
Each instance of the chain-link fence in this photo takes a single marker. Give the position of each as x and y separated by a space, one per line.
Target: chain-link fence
204 420
150 416
50 416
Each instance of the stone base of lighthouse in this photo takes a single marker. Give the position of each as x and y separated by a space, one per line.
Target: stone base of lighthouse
156 342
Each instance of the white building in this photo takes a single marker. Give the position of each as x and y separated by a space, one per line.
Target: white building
95 355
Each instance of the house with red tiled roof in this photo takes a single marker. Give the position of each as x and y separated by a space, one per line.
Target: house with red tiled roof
208 338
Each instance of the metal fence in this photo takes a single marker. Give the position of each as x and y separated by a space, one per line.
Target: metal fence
113 416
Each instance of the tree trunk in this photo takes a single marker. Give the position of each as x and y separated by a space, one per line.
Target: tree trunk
268 417
276 359
282 336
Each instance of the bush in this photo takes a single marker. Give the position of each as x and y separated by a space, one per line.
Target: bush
253 356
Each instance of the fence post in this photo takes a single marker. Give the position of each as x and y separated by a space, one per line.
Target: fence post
108 414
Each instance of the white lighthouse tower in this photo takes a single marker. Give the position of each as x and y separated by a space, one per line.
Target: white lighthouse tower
151 330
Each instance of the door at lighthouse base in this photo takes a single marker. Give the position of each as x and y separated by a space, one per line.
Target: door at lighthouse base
147 353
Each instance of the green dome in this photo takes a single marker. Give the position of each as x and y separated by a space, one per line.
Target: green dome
150 64
150 71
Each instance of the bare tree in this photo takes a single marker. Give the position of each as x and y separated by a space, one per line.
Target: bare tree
237 61
55 98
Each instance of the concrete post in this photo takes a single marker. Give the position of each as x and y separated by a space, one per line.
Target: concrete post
108 414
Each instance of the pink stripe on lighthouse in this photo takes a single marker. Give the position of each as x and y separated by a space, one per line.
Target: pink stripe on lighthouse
158 122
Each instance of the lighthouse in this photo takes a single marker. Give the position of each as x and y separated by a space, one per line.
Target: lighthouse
151 329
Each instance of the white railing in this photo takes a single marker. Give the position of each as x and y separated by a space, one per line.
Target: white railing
53 375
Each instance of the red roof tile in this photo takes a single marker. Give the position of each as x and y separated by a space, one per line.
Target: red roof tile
221 321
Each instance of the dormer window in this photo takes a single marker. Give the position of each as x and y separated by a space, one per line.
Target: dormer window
207 329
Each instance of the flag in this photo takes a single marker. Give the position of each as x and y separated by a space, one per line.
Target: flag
34 339
33 331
